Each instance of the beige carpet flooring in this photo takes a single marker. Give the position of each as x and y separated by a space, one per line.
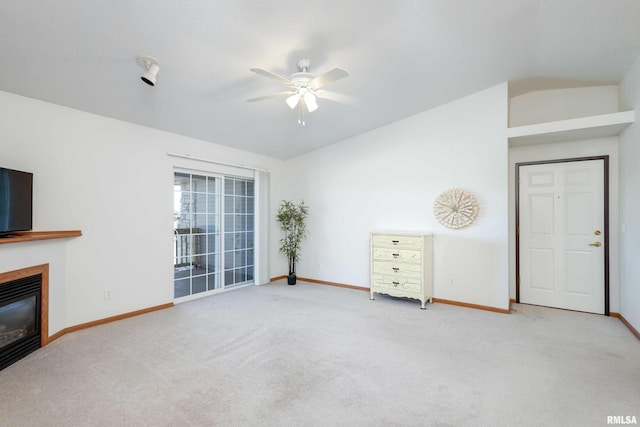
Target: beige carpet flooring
314 355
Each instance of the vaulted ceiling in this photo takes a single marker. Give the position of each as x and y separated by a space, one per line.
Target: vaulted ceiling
403 57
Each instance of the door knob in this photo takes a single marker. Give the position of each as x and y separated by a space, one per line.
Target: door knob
596 244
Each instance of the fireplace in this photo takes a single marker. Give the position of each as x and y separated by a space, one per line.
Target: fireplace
21 313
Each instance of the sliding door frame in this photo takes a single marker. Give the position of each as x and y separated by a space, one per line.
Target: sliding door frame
243 175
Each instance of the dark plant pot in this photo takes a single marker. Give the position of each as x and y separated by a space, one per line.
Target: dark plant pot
291 280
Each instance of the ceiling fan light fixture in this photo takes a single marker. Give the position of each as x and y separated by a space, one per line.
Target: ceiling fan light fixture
293 100
310 101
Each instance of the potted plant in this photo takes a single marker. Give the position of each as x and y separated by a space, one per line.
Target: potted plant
292 222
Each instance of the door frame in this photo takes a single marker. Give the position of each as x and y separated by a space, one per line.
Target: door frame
605 159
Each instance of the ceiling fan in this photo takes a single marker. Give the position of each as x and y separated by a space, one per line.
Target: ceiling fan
304 88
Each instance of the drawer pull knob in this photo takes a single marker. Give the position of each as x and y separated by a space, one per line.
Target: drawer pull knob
395 283
396 255
396 269
395 242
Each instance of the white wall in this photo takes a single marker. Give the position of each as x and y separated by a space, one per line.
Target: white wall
388 179
566 150
113 180
630 200
562 104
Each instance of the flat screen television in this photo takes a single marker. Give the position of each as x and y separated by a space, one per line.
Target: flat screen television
16 201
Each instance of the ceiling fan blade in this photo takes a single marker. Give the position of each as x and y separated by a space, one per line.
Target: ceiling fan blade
336 97
273 95
328 77
272 76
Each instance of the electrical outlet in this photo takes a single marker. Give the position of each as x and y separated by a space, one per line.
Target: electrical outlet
108 294
451 281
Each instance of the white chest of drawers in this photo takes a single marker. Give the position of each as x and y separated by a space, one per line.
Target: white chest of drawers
401 265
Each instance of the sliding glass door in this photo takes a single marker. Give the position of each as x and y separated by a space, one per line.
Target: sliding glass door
201 255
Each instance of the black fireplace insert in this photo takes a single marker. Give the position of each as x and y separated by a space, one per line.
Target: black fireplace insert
20 302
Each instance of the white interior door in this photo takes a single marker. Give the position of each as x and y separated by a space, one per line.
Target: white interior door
561 229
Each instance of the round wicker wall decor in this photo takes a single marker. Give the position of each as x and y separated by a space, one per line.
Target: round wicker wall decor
456 208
